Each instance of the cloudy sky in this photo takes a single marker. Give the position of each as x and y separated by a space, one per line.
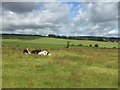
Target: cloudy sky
61 18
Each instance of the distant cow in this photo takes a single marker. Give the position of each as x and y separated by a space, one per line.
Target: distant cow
35 51
26 51
45 53
38 52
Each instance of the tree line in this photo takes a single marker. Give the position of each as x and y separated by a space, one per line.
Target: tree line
95 38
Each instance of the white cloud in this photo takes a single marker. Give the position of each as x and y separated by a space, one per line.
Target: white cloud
96 19
113 32
103 12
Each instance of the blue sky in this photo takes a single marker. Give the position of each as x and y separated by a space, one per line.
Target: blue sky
74 9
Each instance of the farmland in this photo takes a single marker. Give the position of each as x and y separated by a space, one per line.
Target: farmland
74 67
44 42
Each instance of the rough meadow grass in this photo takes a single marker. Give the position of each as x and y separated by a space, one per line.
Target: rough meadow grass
65 68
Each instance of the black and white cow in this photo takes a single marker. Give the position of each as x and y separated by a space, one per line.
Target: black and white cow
44 53
26 51
35 51
38 52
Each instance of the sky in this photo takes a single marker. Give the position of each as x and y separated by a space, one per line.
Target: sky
61 18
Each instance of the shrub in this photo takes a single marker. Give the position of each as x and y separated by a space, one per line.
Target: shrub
96 45
90 45
80 45
72 45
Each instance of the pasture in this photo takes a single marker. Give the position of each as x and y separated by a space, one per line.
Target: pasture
74 67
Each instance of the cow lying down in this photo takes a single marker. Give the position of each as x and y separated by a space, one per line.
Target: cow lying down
38 52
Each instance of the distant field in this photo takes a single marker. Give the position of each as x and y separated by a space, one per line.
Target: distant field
44 42
76 67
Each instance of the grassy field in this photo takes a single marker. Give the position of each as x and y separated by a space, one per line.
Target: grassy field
44 42
76 67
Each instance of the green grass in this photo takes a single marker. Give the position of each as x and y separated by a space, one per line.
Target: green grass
65 68
44 42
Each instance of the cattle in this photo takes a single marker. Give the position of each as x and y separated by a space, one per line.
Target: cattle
35 51
44 53
26 51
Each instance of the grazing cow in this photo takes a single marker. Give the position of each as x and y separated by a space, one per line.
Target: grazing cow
35 51
45 53
26 51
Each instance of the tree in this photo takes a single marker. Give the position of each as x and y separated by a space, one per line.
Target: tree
68 44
